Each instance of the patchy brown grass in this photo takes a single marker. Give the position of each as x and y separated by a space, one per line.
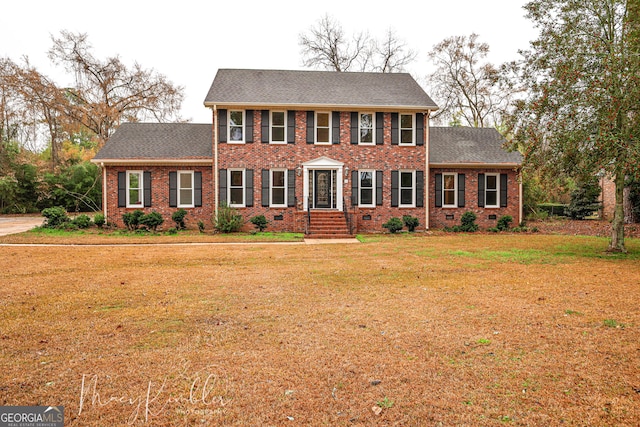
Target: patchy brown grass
451 329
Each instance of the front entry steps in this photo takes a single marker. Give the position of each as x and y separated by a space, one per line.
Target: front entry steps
328 225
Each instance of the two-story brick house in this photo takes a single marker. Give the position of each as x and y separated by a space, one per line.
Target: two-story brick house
298 146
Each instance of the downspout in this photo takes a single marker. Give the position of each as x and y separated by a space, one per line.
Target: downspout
104 191
427 173
520 203
216 186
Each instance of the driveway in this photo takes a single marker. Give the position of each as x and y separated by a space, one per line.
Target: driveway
18 224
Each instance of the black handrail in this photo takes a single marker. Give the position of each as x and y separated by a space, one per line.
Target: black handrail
347 217
308 215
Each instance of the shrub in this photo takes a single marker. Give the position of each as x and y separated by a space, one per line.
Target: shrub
82 221
201 226
228 220
99 220
152 220
178 218
411 222
55 217
393 225
504 222
467 223
260 222
172 230
132 219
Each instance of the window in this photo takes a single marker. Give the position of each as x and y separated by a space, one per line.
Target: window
407 183
491 191
236 188
278 188
278 127
367 126
449 190
406 129
236 126
135 189
323 128
185 189
366 188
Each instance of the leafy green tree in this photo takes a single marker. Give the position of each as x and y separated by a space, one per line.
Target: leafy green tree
583 71
584 199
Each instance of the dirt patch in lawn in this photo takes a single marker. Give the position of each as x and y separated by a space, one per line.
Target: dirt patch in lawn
399 330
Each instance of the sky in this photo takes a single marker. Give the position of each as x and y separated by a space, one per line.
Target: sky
188 41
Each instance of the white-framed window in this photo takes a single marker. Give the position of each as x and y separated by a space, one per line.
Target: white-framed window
135 189
491 190
449 190
236 126
366 188
407 187
407 129
367 128
323 128
278 127
236 180
185 189
278 190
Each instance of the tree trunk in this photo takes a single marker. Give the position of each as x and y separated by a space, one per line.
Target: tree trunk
617 226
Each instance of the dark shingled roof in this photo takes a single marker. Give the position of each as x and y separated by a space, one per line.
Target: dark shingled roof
317 88
153 141
460 145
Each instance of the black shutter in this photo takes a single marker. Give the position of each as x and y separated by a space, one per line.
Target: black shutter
248 126
419 189
248 188
503 190
378 188
147 188
355 183
379 128
265 187
222 125
395 191
264 127
438 195
354 127
419 129
481 190
310 128
395 133
197 189
173 189
291 188
335 123
461 185
122 189
222 185
291 127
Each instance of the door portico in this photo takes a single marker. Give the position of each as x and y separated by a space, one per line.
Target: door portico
323 184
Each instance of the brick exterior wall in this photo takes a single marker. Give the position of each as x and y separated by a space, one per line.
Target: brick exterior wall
441 217
385 157
160 195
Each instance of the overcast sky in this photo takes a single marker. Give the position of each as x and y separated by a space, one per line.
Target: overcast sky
188 41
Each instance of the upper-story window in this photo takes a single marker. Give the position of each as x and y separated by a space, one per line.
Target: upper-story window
278 127
367 126
323 128
407 129
135 189
236 126
449 190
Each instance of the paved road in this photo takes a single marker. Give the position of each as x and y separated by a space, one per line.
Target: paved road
18 224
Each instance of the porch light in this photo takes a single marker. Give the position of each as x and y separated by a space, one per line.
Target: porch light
298 171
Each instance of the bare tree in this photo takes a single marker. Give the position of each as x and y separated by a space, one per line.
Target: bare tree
392 54
107 92
468 91
327 47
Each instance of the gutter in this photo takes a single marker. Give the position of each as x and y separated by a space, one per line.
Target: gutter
427 172
116 162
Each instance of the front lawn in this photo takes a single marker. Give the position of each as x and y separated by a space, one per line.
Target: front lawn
398 330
